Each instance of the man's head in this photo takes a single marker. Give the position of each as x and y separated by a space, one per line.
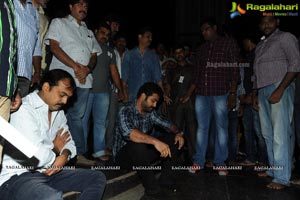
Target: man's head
78 9
120 41
148 96
145 36
102 32
268 25
209 29
40 3
114 22
179 53
55 88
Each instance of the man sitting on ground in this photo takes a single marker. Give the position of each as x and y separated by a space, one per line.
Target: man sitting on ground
41 120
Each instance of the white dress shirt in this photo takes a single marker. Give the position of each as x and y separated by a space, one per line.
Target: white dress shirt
77 41
32 121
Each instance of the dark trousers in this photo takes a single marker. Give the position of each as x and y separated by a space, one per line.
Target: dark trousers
139 156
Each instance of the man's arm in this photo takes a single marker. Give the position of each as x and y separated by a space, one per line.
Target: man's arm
116 79
139 137
277 94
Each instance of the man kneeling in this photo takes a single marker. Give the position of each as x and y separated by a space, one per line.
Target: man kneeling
136 146
41 120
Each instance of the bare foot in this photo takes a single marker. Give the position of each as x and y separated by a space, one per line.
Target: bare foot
263 174
276 186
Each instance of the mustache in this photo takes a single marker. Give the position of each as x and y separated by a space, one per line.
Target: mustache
82 11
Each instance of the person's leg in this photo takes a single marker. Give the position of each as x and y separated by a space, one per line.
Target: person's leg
266 124
221 118
75 115
29 185
111 118
248 124
233 121
203 114
86 121
281 115
190 124
261 143
100 110
90 183
134 155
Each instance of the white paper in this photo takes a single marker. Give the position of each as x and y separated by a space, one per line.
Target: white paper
12 135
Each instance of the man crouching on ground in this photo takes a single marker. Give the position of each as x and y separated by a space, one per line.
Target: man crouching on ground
136 146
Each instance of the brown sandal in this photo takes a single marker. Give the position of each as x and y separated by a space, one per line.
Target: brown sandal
276 186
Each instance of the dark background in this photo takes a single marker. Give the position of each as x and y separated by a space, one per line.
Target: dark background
175 20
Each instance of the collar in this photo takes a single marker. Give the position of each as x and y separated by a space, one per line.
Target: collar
272 34
72 19
37 102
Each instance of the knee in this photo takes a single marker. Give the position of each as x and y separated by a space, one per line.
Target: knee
55 195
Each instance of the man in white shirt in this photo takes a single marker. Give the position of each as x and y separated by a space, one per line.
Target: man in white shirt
75 50
42 120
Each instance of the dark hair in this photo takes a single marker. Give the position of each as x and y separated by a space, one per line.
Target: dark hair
145 29
102 24
210 21
72 2
54 76
112 18
119 35
150 88
179 46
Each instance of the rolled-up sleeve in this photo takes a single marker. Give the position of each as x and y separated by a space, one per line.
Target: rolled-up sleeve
290 47
53 32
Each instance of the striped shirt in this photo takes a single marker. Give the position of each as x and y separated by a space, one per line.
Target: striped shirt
274 57
8 48
129 118
29 44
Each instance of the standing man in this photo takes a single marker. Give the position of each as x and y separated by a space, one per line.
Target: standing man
9 99
99 97
215 86
182 113
42 121
135 146
276 64
29 45
140 65
75 50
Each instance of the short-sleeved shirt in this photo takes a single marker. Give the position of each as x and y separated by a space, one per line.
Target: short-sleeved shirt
138 69
274 57
8 49
129 119
101 72
77 41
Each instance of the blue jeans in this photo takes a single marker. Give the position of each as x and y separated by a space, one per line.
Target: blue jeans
98 105
206 108
36 185
233 122
277 129
252 129
75 116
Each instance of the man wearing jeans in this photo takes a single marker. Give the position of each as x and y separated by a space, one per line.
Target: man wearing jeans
276 64
42 121
215 87
75 50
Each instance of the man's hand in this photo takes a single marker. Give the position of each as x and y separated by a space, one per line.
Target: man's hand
58 165
163 148
15 102
36 78
180 140
276 96
231 101
255 102
184 98
61 140
81 72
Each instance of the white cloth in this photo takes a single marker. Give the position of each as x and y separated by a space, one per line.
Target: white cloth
77 41
32 120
